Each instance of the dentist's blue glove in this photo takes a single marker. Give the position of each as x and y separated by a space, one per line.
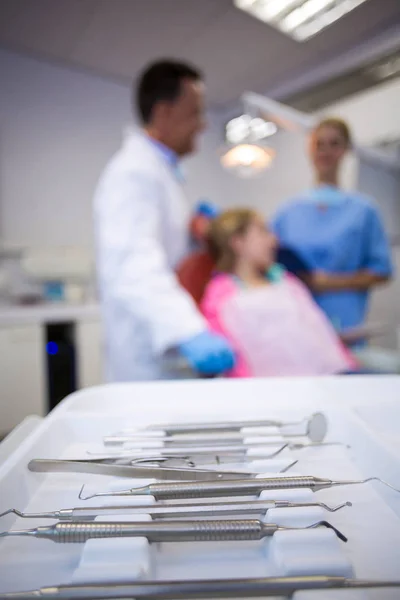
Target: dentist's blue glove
208 353
207 209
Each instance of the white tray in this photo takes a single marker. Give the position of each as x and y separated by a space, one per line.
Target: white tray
372 524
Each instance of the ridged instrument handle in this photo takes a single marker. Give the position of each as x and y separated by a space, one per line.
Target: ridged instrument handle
171 491
175 531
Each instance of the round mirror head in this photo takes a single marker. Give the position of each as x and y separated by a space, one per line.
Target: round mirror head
317 427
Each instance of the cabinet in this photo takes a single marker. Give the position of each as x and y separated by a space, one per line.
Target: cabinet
23 366
89 352
22 374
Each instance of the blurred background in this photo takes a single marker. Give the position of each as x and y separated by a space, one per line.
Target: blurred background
66 71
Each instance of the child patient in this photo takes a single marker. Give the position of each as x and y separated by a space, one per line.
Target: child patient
268 315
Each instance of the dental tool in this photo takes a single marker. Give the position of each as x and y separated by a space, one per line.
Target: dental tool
193 589
201 455
44 465
199 434
240 487
163 531
203 509
315 420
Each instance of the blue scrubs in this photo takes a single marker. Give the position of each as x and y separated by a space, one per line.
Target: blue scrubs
292 262
337 232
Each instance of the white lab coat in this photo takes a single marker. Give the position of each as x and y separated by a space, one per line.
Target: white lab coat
141 225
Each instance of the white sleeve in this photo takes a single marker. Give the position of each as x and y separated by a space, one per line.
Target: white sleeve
137 276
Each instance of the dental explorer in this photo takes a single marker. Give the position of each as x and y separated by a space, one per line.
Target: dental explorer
201 509
240 487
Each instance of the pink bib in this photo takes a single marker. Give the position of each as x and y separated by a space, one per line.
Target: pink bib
280 331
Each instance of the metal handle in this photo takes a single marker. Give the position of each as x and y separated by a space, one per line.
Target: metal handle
198 589
78 533
175 531
196 439
167 531
214 427
194 490
172 491
207 531
218 426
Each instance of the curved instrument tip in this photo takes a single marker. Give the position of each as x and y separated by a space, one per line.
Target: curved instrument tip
12 511
389 485
82 497
334 508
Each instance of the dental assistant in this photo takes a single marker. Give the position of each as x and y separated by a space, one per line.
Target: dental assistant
338 233
141 225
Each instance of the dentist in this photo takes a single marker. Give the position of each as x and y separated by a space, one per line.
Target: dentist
141 224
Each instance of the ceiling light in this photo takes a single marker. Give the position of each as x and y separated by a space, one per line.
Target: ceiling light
304 13
325 19
247 160
245 4
269 11
300 19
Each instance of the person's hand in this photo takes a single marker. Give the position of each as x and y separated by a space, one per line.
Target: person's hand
364 332
321 281
208 353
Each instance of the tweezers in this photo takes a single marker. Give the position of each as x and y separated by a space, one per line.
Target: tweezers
44 465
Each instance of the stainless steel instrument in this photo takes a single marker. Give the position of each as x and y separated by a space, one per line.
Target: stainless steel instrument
202 454
218 426
198 589
45 465
170 511
240 487
204 433
163 531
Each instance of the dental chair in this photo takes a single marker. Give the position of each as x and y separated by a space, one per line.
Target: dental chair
195 272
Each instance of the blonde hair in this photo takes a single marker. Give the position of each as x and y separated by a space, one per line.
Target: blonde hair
230 223
339 124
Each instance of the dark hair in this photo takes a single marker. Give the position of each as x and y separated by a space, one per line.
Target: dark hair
161 81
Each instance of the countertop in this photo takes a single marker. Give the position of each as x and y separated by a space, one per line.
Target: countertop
11 315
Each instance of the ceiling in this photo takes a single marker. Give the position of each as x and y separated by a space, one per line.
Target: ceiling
347 84
115 38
